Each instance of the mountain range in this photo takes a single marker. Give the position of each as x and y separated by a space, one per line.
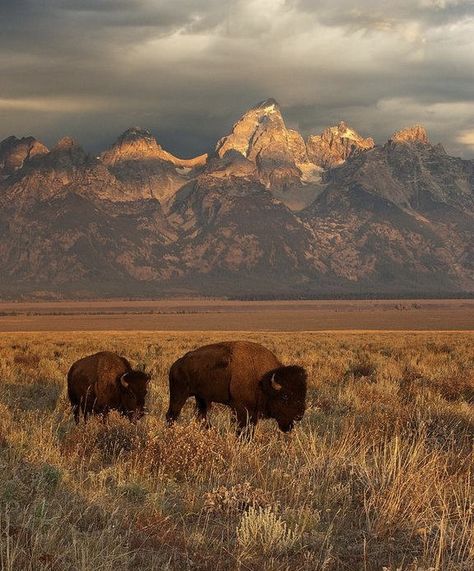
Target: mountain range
266 213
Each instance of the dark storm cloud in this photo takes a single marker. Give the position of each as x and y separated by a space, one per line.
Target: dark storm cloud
188 68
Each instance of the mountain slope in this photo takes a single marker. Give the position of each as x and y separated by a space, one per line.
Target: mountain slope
236 228
335 145
266 213
15 152
279 154
145 168
399 217
66 221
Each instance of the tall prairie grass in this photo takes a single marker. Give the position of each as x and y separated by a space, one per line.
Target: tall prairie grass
378 475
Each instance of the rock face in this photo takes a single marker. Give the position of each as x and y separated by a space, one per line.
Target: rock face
68 223
135 144
263 119
265 214
229 234
414 204
262 137
335 145
15 152
415 134
66 153
409 175
145 168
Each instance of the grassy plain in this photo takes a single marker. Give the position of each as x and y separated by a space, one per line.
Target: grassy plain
379 474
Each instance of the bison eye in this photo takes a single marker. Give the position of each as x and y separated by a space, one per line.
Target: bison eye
285 397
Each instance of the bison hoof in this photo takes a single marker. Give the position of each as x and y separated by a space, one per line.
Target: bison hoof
286 427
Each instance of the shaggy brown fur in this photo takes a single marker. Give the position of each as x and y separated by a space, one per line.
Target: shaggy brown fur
105 381
245 376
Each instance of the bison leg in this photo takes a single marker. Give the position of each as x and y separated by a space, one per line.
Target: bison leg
179 394
86 412
174 410
246 422
75 405
202 408
76 411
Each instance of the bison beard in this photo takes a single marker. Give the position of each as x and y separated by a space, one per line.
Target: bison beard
245 376
285 390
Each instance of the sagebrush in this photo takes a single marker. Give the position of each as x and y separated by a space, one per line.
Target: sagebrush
379 474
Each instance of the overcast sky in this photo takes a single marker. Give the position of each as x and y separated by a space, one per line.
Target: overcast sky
187 69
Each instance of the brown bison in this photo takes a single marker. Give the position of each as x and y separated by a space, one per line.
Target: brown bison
245 376
105 381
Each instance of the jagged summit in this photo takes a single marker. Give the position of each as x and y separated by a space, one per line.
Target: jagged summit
67 147
14 152
259 216
335 145
133 144
66 153
66 144
136 132
262 137
138 144
282 158
246 134
415 134
267 105
137 135
345 132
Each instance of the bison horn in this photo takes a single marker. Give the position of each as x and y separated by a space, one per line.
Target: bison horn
123 382
275 385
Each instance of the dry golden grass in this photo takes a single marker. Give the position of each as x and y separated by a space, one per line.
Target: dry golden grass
378 475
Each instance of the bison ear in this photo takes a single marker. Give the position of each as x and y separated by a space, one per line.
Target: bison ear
275 386
123 380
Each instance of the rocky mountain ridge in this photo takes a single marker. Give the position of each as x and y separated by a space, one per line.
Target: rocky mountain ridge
264 213
414 134
15 152
335 145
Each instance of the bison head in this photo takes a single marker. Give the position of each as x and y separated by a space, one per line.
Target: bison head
133 387
285 392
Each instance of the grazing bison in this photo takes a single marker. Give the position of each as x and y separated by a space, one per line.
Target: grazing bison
105 381
245 376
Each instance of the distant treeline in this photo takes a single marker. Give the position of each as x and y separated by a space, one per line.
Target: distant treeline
119 312
351 296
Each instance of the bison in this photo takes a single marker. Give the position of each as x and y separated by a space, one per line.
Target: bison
245 376
106 381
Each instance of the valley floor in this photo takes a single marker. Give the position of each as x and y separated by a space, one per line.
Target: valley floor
379 474
224 315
